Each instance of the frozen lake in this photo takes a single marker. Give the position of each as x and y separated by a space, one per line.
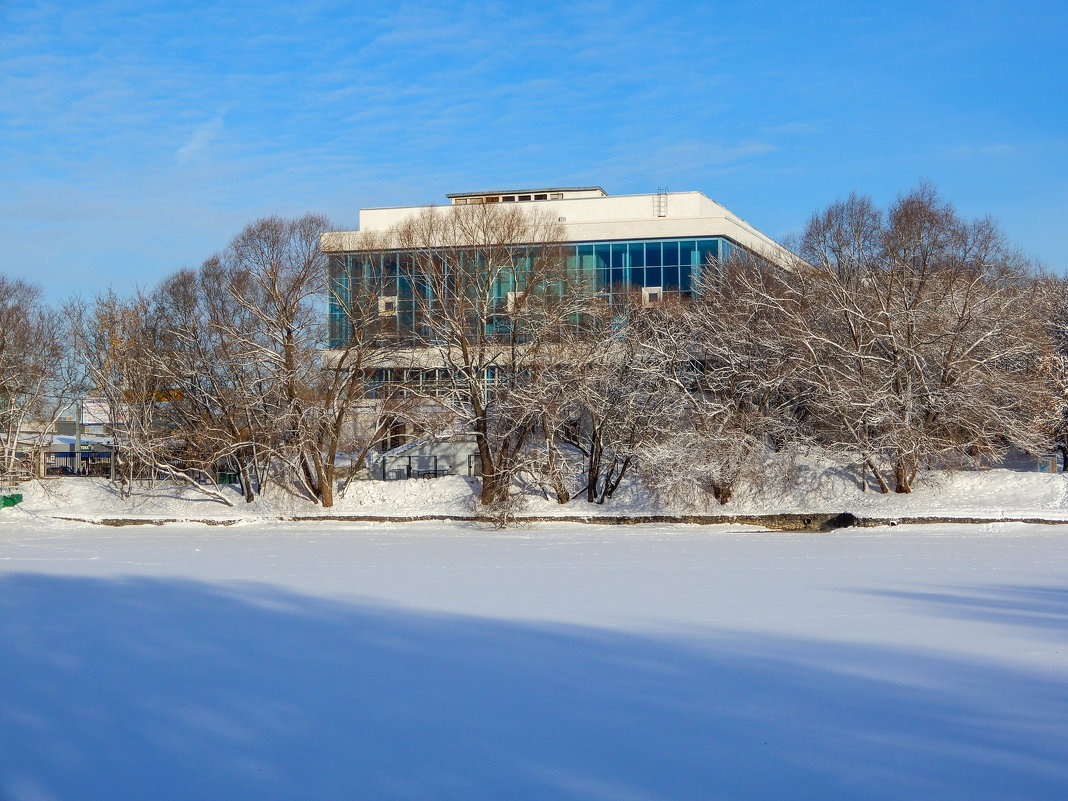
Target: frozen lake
324 660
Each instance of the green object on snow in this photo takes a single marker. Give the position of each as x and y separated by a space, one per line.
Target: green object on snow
11 500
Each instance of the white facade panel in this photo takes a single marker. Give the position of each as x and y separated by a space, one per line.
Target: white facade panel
599 218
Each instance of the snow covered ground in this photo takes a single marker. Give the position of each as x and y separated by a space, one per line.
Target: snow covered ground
815 487
322 660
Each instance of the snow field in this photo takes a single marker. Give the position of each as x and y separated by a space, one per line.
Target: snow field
277 660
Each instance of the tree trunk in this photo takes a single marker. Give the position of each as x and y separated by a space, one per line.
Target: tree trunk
559 488
593 469
326 485
902 478
615 475
246 482
494 486
884 488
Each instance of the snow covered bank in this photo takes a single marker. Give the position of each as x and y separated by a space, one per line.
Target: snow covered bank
986 494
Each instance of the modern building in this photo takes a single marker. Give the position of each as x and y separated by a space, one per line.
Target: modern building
656 243
651 247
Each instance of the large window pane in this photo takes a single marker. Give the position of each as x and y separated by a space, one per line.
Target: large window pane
707 249
688 252
684 278
652 256
637 254
671 277
602 253
619 255
585 256
671 253
653 276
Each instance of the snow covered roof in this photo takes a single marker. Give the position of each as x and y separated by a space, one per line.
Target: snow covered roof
415 444
66 439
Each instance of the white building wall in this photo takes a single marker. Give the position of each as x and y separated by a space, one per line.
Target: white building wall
613 217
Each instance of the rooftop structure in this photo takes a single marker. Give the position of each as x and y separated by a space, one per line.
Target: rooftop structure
589 214
526 195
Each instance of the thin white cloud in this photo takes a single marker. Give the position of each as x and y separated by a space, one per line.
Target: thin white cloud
202 136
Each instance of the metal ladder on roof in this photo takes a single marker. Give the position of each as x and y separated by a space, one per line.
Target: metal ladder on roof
661 201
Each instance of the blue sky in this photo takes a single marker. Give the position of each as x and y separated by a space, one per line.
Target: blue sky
137 137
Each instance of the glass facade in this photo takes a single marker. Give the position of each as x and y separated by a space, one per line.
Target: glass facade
611 268
671 264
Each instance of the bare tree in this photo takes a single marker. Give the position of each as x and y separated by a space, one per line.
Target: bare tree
35 386
276 275
1053 308
220 399
725 357
249 333
219 368
128 350
488 288
356 408
918 339
266 389
604 396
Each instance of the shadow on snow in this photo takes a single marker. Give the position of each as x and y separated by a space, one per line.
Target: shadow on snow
1012 605
169 689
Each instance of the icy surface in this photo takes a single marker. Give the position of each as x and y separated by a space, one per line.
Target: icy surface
394 661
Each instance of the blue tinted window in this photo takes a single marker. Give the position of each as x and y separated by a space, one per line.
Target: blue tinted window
688 252
619 255
707 249
637 254
652 256
684 278
653 277
671 253
585 258
602 255
671 278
